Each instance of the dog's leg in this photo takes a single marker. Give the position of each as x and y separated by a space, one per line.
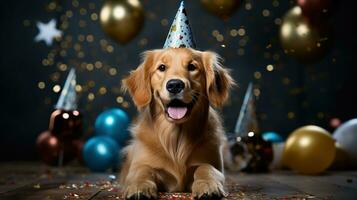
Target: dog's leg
140 184
208 183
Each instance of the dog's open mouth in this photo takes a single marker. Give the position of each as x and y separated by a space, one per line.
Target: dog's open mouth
177 109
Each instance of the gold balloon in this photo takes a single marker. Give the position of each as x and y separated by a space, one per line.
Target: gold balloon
221 8
122 19
309 150
303 39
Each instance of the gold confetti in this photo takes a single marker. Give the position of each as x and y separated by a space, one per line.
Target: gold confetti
56 88
91 96
98 64
91 84
102 90
82 11
270 68
215 33
266 13
90 67
62 67
119 99
112 71
248 6
41 85
164 22
257 75
233 32
291 115
90 38
241 32
94 16
78 88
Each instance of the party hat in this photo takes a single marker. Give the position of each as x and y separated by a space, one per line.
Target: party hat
180 34
68 98
247 120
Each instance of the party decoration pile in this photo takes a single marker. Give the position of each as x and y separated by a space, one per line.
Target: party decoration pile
309 150
122 19
61 143
102 152
346 138
246 149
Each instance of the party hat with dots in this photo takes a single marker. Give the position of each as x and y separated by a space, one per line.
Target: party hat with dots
68 98
180 34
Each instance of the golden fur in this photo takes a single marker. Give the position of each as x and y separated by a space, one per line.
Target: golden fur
182 155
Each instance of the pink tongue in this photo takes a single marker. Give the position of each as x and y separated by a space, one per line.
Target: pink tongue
177 112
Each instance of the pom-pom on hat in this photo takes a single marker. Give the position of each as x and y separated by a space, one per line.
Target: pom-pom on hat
180 35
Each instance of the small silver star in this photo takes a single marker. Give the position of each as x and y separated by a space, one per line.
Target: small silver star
47 32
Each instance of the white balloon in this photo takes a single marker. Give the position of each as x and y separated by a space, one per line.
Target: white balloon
346 136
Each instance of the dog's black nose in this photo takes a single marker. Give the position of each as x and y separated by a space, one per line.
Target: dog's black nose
175 86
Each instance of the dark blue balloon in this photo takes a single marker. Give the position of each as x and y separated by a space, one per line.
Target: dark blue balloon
114 123
101 153
272 137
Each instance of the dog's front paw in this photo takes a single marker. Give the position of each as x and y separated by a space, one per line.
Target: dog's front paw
204 190
141 191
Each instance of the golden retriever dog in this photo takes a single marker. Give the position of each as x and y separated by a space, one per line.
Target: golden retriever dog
178 136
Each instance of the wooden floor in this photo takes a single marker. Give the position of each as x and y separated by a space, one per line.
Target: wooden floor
36 181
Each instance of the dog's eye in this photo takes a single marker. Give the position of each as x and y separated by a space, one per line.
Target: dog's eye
161 68
191 67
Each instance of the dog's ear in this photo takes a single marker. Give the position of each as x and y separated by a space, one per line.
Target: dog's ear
218 80
138 82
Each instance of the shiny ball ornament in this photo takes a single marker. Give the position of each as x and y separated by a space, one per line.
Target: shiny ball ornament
221 8
272 137
346 137
301 39
122 20
309 150
66 125
51 150
114 123
101 153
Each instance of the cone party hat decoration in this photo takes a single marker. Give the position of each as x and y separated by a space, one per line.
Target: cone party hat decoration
247 120
68 98
180 35
249 152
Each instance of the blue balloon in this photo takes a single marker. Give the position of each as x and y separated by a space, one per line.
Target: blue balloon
272 137
114 123
101 153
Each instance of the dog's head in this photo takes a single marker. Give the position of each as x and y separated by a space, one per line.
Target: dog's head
179 81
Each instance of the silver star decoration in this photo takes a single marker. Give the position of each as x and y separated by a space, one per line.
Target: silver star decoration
47 32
